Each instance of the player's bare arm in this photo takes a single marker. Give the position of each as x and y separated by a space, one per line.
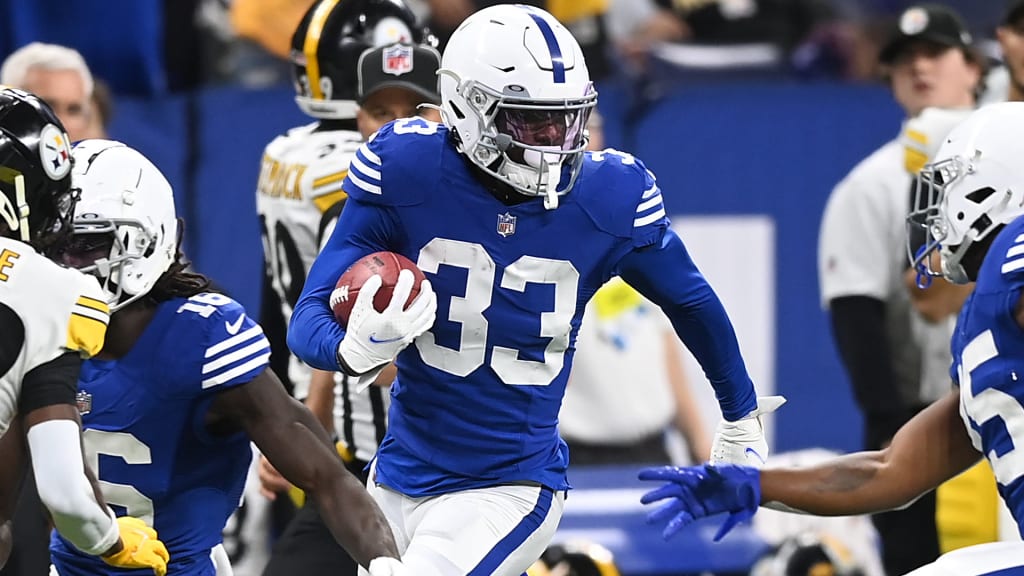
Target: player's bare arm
12 454
926 452
296 444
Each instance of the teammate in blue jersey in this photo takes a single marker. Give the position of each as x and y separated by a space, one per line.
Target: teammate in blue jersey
516 227
181 386
972 200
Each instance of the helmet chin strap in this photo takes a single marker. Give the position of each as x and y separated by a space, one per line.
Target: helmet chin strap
550 196
22 208
551 167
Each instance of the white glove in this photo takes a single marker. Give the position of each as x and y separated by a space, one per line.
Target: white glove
923 135
373 338
742 442
384 566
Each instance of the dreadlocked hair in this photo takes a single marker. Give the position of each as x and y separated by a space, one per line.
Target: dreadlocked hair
177 281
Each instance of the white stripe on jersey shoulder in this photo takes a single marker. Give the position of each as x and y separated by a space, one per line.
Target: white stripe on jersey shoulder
640 222
372 158
371 188
650 200
358 166
221 378
254 332
1014 261
648 204
235 356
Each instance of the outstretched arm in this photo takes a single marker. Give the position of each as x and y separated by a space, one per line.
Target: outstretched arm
298 446
930 449
926 452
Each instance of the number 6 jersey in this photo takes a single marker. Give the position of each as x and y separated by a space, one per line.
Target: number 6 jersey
145 431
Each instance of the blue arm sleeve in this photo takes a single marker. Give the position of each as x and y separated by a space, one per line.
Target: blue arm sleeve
667 276
313 333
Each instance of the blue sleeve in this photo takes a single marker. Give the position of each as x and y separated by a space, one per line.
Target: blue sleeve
313 333
215 346
667 276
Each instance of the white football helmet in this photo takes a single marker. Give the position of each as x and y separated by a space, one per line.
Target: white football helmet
974 186
125 226
516 94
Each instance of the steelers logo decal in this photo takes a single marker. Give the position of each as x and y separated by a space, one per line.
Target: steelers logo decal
913 21
54 152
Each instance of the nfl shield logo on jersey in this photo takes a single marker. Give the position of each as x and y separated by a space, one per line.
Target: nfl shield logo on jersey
84 401
506 224
398 59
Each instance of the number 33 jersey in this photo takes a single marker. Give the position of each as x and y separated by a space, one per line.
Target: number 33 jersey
300 178
477 397
145 432
45 311
988 365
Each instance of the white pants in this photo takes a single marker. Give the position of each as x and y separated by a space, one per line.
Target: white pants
993 558
500 530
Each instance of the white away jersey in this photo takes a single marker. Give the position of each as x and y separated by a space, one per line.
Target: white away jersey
45 311
300 178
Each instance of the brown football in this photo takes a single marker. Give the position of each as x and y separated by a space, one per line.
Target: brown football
388 265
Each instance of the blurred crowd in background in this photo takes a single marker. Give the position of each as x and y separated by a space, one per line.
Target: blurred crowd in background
149 47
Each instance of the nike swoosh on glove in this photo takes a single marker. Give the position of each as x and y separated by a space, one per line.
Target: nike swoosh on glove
700 491
140 547
384 566
742 441
373 338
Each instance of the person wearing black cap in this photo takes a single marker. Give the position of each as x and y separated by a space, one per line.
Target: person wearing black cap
397 80
1011 39
895 357
394 81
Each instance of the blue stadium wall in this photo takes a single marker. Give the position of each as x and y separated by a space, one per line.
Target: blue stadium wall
772 150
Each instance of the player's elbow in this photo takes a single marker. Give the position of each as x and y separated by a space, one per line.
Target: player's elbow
895 484
296 343
301 342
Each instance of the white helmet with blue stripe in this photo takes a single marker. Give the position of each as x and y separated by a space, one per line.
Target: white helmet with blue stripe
972 188
516 93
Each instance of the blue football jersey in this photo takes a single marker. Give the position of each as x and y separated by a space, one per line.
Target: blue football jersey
145 436
988 365
477 397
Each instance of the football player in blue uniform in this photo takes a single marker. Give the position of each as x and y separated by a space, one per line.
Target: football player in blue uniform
51 318
972 200
181 386
516 227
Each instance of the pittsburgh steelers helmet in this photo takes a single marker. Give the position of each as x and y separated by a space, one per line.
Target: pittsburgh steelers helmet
36 199
575 558
327 45
808 554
